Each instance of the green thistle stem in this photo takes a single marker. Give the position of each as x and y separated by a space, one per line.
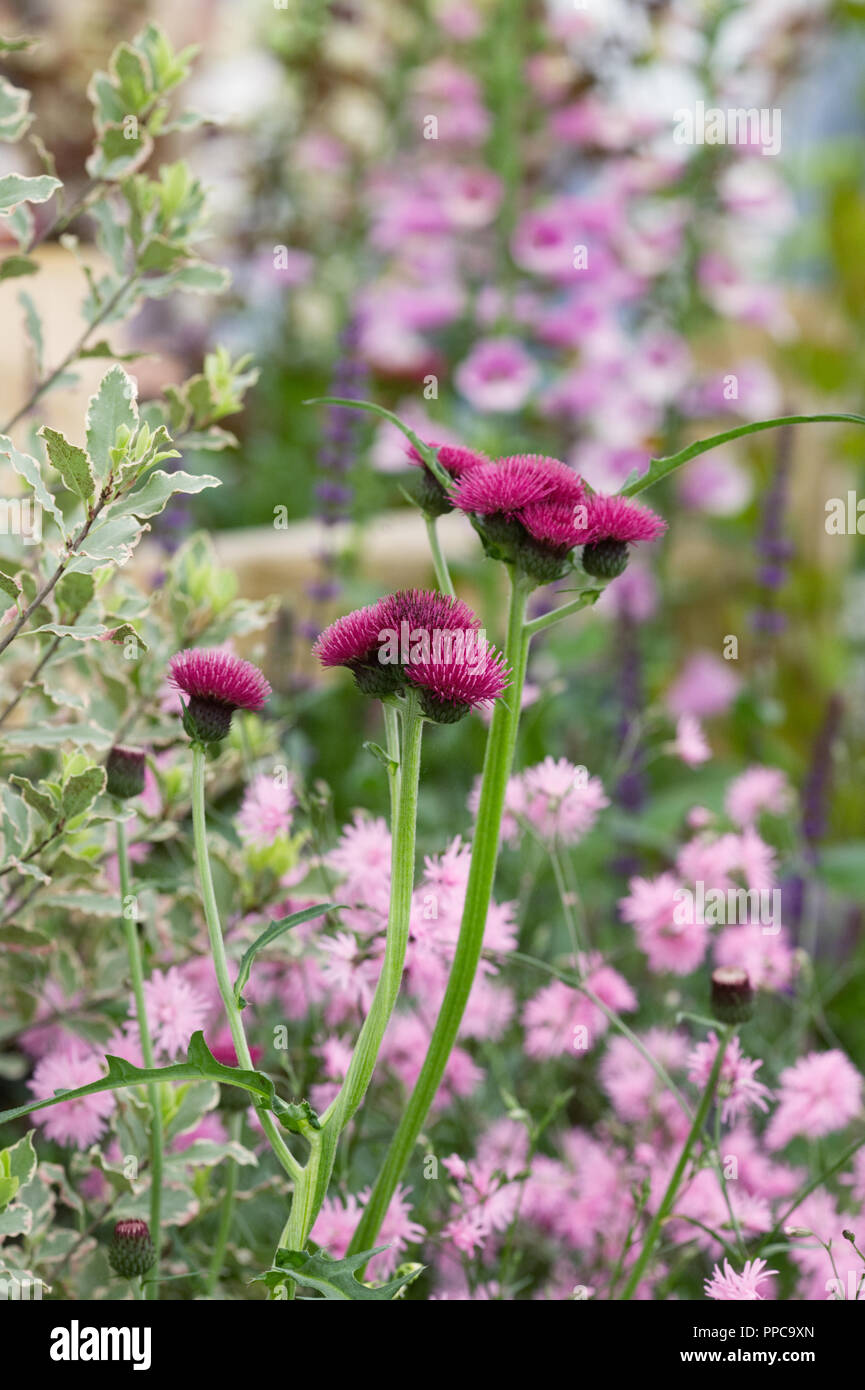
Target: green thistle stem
497 769
220 959
312 1187
669 1197
136 969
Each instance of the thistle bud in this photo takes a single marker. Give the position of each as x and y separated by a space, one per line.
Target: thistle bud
131 1251
125 772
732 995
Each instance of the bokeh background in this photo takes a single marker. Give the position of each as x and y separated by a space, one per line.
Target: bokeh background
398 191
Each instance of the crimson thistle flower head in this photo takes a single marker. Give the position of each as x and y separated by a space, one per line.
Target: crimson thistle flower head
420 638
428 492
131 1251
611 525
217 684
124 768
525 509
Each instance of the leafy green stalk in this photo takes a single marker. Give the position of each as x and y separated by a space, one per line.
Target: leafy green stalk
133 948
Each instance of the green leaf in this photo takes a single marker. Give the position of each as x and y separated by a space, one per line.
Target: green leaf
15 189
661 468
114 405
119 152
167 67
10 586
112 540
19 1160
33 324
74 592
383 757
82 790
272 933
334 1278
19 44
158 489
200 1065
104 349
15 118
40 801
71 463
30 470
132 78
15 266
20 224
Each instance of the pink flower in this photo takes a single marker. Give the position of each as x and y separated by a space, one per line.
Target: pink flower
737 1087
560 801
266 810
454 458
767 958
731 1287
510 484
757 790
352 638
820 1093
450 689
76 1122
631 1083
652 909
217 677
497 375
619 519
704 687
555 1017
690 743
425 638
174 1010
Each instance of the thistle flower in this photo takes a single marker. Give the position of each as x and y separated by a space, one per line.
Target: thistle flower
450 691
612 524
527 510
217 684
422 637
509 484
427 490
131 1251
125 772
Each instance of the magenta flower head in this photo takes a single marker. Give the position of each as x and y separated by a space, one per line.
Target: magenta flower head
217 684
421 638
611 525
526 510
427 491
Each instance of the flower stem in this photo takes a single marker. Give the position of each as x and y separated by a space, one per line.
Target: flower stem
440 564
497 768
133 948
310 1191
226 1211
220 959
669 1197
